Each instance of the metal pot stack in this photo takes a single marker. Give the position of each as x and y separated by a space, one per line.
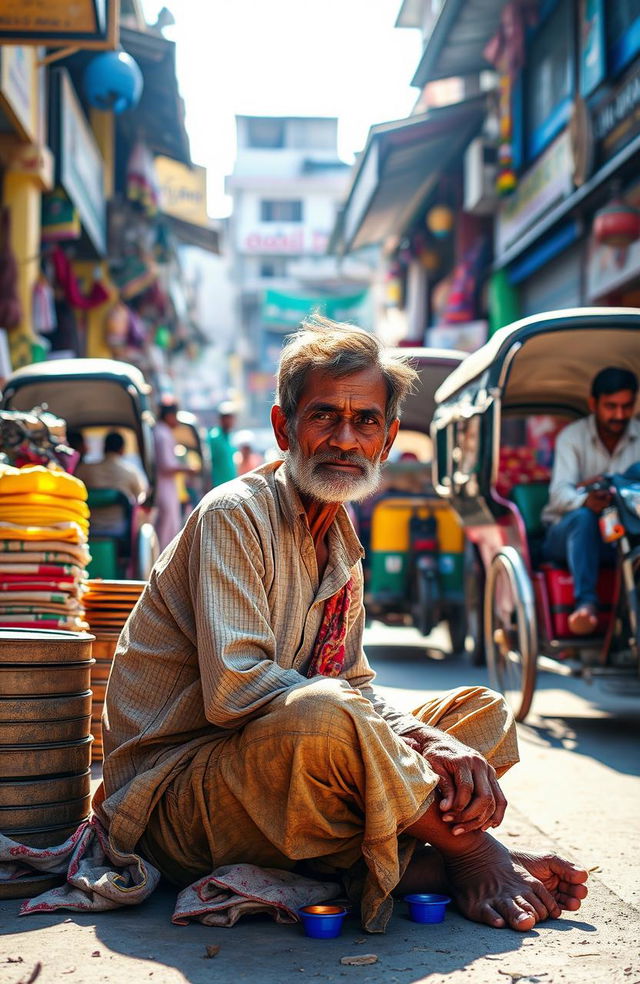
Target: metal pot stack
107 604
45 734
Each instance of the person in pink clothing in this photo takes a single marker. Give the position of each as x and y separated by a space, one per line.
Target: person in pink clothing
167 500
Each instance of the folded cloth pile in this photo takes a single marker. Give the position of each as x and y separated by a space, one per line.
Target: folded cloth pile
44 525
96 880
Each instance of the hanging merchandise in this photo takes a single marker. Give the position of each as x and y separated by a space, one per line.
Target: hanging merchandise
113 82
617 224
43 308
462 302
66 281
440 220
116 326
59 218
506 51
142 182
133 276
10 307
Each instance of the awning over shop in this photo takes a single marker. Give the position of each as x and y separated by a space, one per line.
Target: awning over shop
194 235
458 40
286 310
159 116
398 168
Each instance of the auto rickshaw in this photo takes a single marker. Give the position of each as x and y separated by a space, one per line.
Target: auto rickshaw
95 396
192 449
414 563
494 428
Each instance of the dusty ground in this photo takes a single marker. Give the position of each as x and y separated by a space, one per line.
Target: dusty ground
580 784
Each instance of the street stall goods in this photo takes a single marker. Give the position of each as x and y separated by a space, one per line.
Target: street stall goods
45 739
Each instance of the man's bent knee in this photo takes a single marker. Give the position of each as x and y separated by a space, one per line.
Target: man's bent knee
322 706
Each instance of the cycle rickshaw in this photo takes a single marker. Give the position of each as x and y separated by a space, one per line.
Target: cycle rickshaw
415 547
94 396
493 428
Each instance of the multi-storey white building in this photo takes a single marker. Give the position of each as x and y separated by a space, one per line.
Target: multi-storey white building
287 185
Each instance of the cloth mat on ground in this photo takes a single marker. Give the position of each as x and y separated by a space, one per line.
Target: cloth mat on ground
97 881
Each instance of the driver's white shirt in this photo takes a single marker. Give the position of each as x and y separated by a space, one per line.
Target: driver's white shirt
580 454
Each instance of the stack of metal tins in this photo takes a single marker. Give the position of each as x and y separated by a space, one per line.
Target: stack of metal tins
45 735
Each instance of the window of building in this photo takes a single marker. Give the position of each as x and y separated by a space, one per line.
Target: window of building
281 211
265 133
549 83
273 267
623 32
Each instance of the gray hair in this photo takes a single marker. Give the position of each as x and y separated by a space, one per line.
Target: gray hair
342 349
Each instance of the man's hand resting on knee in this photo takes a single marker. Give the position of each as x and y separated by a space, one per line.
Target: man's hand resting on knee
471 798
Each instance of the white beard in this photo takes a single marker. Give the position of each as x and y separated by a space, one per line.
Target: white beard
311 479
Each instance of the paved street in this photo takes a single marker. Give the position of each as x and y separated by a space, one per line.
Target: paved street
577 790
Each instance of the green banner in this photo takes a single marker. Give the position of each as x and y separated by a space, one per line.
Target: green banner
288 310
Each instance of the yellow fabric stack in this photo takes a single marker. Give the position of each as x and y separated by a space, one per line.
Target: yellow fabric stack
44 526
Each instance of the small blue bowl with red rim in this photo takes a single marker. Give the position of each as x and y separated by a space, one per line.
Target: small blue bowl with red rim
322 922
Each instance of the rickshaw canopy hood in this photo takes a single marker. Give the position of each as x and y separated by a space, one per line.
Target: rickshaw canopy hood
87 393
546 362
433 366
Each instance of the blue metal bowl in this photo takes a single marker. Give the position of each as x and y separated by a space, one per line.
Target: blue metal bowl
322 922
427 907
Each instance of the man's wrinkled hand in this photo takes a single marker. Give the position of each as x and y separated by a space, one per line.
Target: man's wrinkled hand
471 797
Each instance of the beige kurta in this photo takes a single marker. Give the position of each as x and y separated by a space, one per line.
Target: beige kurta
212 727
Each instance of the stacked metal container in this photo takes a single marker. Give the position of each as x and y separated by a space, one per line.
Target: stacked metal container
45 734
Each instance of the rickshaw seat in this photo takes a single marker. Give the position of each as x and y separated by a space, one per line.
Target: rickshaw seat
109 549
531 498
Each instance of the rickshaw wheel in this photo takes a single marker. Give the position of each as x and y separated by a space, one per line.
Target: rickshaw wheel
510 631
424 600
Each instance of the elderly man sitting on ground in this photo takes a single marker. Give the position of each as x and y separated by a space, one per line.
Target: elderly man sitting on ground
242 721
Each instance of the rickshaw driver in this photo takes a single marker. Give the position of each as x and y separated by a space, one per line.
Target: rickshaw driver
605 442
241 724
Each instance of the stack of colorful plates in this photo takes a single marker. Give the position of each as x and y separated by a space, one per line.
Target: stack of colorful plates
107 605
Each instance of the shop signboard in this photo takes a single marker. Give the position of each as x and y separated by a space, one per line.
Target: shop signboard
58 23
286 310
548 181
616 120
79 163
19 89
183 190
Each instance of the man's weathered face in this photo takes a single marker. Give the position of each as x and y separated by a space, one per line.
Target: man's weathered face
339 437
613 411
227 421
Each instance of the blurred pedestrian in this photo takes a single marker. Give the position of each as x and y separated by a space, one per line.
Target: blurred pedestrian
167 497
246 459
223 467
112 472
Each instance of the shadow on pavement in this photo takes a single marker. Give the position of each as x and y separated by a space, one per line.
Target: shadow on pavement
254 950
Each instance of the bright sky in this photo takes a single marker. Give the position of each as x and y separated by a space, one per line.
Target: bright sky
339 58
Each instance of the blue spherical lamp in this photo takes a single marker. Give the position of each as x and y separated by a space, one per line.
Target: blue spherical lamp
113 82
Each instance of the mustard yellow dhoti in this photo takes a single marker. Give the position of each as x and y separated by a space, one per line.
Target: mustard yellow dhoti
320 776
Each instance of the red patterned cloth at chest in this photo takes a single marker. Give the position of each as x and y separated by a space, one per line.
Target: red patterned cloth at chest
328 651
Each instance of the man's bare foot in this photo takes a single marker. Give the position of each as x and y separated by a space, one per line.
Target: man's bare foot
493 885
583 621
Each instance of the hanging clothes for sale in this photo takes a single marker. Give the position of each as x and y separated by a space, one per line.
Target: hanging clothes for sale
66 281
142 181
43 307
